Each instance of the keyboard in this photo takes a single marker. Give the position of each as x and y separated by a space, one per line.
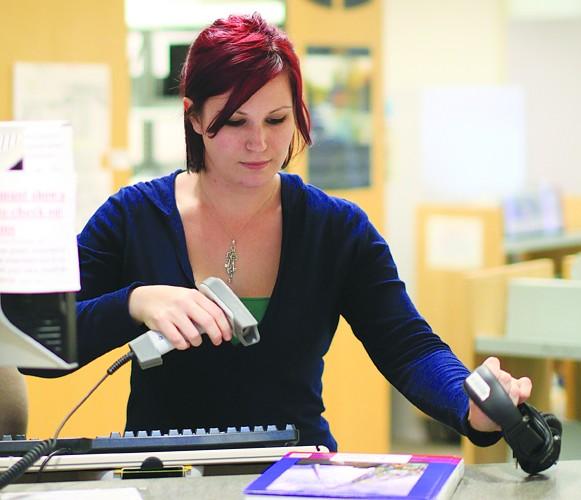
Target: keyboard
155 441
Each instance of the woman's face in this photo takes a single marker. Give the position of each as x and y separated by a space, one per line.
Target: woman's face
253 144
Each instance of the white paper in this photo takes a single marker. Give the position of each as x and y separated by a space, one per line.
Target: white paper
43 146
96 494
371 457
38 251
473 142
454 243
77 93
81 95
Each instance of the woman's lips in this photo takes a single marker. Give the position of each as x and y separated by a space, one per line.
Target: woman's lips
255 165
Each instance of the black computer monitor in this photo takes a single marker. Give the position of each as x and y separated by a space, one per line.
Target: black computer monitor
533 213
177 56
38 330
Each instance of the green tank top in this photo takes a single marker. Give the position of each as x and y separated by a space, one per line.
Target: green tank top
256 305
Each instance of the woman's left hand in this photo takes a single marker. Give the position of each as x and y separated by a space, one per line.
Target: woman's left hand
519 391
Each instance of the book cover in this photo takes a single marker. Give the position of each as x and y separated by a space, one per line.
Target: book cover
358 476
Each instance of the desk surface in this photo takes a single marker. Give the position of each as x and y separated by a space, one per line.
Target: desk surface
528 348
513 247
491 481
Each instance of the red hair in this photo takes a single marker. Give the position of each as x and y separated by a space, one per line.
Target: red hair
238 54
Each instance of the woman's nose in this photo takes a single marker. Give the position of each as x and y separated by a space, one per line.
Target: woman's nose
256 140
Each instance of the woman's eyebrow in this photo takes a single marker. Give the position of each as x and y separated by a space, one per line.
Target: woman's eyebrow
238 112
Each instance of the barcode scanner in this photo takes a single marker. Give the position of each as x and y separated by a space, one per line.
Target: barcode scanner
535 437
151 346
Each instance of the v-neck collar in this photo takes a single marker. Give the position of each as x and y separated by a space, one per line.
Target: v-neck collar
168 205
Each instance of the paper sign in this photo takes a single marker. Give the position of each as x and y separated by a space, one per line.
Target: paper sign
473 142
38 248
454 243
80 94
43 146
38 251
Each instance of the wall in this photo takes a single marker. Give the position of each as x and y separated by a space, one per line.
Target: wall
543 58
450 42
80 31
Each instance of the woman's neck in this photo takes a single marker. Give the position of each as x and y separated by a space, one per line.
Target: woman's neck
241 200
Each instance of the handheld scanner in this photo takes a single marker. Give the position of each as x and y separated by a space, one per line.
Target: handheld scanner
151 346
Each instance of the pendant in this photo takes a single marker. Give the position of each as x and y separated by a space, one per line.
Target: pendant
230 262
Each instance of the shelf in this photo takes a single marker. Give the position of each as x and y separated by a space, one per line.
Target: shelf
523 348
542 243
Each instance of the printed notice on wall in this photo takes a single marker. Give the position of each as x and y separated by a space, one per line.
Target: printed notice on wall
81 95
454 243
38 251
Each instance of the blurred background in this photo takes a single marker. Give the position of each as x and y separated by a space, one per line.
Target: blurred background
454 124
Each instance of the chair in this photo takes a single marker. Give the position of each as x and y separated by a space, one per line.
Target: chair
570 370
13 402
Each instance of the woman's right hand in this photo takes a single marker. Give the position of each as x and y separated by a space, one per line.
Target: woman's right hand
181 315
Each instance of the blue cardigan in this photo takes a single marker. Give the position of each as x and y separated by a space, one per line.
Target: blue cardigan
333 262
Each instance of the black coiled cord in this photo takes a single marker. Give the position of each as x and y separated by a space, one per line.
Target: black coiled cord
47 459
120 362
29 458
47 447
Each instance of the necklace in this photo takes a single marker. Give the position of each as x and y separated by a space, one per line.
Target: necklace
231 257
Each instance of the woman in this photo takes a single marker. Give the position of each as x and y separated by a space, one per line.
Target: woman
298 257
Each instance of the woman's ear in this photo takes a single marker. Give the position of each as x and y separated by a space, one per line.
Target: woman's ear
194 119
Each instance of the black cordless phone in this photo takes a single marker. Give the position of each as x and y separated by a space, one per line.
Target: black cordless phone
534 437
489 395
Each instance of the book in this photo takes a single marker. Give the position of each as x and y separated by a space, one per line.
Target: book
358 476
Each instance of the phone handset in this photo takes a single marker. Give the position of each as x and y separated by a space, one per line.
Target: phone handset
151 346
489 395
535 437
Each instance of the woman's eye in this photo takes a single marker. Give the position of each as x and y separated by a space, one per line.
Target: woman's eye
234 123
269 121
276 121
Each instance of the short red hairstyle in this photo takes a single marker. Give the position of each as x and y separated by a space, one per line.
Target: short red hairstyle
238 54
